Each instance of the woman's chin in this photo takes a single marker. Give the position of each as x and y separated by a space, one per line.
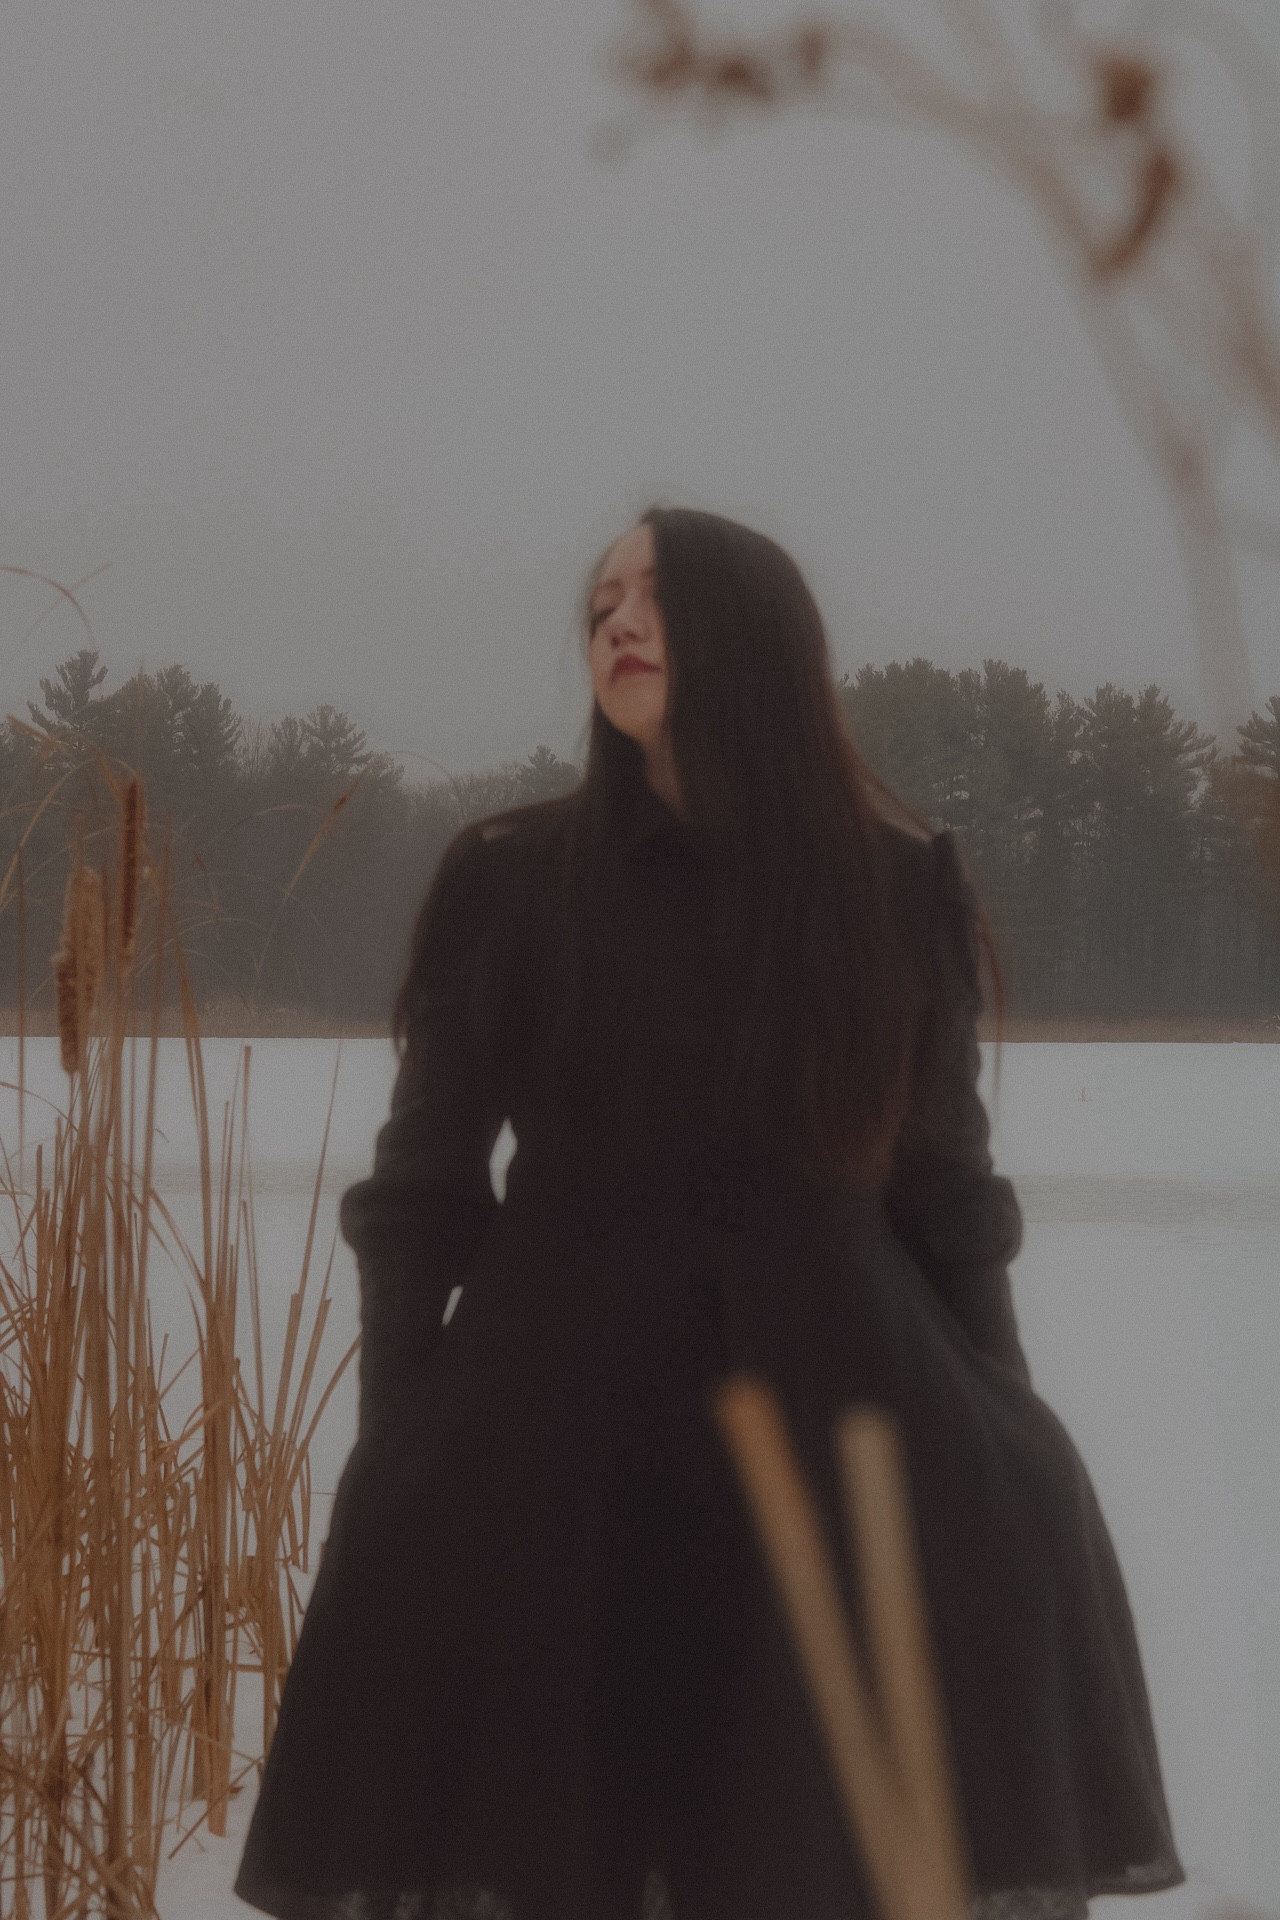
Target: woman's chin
640 720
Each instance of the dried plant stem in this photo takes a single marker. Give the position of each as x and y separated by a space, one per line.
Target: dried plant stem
1172 284
78 961
131 830
895 1786
22 1018
138 1564
878 1519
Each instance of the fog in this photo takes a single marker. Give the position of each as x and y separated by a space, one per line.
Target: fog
328 338
334 357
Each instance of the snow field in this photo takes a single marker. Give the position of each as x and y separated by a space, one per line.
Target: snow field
1148 1291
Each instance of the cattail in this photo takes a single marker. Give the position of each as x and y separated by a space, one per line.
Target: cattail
78 962
131 819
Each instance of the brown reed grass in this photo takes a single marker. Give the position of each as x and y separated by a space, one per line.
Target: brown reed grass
146 1563
225 1018
131 830
78 961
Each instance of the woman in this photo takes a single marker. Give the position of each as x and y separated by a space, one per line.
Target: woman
729 1008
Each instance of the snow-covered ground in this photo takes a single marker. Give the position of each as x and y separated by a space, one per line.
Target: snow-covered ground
1148 1291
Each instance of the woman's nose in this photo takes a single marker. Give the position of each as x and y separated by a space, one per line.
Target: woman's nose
625 622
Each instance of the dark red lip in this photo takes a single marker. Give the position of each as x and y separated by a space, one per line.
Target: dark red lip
631 663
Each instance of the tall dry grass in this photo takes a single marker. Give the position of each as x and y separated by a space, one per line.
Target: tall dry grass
147 1562
885 1729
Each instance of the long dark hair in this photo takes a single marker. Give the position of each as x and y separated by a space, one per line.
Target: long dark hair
824 974
828 980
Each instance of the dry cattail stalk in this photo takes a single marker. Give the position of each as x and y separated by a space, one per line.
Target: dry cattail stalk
896 1791
138 1554
131 824
78 962
878 1514
314 845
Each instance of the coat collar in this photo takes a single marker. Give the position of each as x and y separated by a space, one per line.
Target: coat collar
650 822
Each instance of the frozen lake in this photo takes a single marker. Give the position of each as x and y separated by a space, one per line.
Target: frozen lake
1148 1291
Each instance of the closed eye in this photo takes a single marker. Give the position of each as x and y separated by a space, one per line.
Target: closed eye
598 614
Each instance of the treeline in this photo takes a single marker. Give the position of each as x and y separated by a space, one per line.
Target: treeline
1130 864
297 855
1119 848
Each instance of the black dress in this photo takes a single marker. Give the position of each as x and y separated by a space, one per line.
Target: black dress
543 1673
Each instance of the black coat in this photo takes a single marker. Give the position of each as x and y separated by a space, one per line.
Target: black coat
542 1659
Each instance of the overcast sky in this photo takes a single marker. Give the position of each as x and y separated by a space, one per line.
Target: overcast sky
321 325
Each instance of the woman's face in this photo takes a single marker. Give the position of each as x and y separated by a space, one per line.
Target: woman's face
627 641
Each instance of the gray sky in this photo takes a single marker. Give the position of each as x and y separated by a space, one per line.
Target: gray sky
321 325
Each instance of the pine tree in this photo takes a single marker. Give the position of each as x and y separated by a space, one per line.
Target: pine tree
69 703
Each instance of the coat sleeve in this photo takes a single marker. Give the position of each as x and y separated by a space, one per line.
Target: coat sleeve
955 1215
417 1223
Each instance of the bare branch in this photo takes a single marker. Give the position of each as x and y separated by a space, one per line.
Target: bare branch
1173 286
